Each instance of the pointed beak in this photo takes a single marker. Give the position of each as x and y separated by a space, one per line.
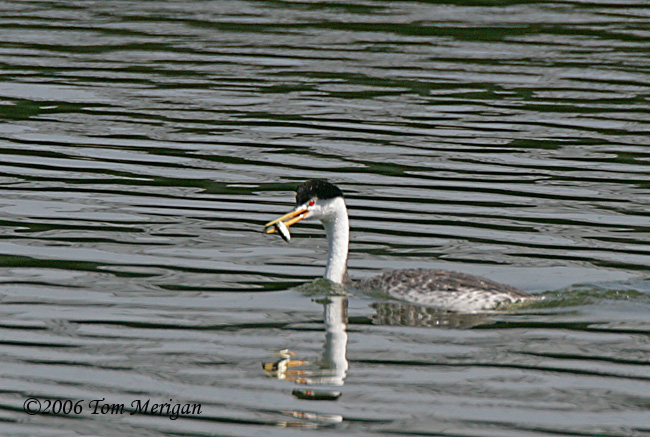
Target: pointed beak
288 219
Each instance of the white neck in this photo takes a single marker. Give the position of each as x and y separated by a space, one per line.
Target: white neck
337 228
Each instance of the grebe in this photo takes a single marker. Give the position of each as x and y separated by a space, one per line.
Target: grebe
322 200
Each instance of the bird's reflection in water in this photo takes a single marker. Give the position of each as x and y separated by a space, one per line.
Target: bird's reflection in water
323 378
281 369
331 368
404 314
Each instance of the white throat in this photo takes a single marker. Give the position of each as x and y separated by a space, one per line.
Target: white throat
337 229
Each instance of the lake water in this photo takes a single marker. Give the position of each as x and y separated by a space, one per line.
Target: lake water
143 145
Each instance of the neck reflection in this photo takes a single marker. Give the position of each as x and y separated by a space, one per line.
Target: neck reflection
328 373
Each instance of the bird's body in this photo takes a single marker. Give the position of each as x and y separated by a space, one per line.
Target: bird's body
453 291
436 288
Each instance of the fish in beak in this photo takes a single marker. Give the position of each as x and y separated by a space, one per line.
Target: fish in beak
281 224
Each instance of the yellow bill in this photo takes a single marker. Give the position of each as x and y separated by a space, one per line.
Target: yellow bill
282 224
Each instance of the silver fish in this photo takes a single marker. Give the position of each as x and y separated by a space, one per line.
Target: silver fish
282 229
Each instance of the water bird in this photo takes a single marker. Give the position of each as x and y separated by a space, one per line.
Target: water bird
321 200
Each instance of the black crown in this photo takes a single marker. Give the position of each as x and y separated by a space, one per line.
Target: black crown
316 188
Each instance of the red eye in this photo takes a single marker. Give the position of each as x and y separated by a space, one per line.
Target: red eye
311 203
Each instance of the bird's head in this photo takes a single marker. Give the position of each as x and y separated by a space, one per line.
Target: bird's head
315 199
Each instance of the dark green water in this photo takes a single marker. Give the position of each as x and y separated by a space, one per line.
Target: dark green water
143 145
